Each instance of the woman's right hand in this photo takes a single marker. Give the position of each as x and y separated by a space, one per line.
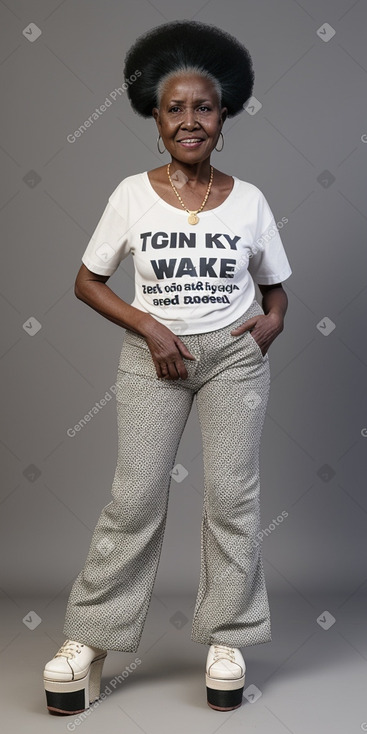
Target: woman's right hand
167 351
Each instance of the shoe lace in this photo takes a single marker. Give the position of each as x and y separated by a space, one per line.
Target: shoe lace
222 651
69 649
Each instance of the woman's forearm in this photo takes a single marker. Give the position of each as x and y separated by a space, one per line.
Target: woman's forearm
275 301
102 299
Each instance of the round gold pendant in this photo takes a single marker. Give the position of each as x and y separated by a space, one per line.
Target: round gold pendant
193 219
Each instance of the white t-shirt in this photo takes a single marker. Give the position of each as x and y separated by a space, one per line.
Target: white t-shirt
191 278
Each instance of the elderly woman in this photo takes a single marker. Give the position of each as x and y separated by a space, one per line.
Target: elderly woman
200 239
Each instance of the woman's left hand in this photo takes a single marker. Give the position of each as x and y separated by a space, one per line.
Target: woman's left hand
264 329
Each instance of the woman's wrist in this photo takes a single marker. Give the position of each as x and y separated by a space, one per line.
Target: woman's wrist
144 323
277 317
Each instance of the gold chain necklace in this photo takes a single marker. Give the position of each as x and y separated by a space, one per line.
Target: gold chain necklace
193 218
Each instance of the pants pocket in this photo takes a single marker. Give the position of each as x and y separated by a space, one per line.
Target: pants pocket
135 356
257 348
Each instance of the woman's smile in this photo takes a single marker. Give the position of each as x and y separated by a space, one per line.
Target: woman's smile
191 142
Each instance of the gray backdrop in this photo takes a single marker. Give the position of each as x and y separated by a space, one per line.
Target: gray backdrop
305 148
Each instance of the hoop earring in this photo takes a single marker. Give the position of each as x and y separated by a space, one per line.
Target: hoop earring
159 150
219 149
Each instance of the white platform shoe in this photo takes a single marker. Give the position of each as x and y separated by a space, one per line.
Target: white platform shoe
224 677
72 679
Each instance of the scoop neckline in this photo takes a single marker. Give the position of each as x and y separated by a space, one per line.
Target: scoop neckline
183 211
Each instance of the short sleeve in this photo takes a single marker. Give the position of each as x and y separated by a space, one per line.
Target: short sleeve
269 263
108 244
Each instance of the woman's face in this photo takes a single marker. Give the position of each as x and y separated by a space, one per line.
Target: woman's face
189 118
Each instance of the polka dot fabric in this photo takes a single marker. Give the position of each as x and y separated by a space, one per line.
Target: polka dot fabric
110 597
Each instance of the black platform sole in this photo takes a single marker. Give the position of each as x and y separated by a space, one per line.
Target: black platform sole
224 695
74 697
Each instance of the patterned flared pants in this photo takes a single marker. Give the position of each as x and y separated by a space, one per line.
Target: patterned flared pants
110 597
